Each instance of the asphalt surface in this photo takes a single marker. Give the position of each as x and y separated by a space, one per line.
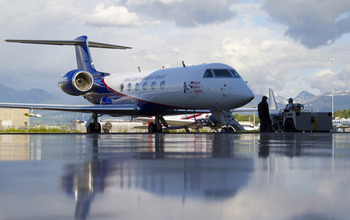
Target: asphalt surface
175 176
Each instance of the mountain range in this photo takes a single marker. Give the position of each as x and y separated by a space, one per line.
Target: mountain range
11 95
40 96
322 103
311 102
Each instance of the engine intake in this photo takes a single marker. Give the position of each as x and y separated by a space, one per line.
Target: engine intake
76 82
83 81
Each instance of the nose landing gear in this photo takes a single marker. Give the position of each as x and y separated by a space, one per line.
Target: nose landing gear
227 130
226 118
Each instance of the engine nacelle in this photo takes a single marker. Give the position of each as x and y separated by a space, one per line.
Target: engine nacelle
76 82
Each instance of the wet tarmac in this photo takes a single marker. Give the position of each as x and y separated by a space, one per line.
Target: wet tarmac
175 176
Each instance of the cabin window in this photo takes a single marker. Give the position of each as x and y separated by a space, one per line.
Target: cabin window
153 85
137 85
208 74
144 86
222 73
162 84
121 87
129 87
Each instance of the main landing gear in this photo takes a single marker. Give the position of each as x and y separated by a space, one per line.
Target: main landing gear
156 127
93 126
152 128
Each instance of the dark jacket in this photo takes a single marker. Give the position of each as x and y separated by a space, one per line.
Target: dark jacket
263 109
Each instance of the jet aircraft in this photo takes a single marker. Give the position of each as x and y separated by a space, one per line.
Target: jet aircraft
213 87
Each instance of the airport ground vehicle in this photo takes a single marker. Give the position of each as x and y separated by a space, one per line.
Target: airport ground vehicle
299 119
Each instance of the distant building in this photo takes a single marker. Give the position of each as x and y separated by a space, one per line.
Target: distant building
13 118
118 126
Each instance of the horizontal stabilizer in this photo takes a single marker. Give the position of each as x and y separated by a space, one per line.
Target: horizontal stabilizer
69 42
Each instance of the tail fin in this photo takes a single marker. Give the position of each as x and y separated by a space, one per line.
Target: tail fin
84 60
81 44
272 100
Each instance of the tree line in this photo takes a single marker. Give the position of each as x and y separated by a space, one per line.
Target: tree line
342 113
241 117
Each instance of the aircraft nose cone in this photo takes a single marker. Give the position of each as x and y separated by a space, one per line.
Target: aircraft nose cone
249 95
241 95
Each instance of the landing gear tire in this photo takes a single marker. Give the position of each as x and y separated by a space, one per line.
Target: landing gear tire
224 130
227 130
152 128
94 128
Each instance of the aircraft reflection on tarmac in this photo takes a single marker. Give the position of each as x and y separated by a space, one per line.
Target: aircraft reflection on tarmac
294 144
210 175
204 167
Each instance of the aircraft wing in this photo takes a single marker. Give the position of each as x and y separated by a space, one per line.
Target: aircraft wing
121 110
244 110
115 110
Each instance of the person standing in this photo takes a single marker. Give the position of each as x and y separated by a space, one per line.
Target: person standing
289 106
264 115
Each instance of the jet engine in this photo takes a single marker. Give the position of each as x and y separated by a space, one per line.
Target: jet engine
76 82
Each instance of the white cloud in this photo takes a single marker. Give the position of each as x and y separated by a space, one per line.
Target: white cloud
189 13
321 80
328 80
145 2
115 16
312 23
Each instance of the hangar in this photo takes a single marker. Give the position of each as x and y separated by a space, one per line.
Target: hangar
13 118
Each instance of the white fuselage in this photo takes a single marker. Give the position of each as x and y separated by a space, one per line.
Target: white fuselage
183 87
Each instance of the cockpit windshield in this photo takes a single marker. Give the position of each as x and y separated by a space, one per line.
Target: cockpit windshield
221 73
208 74
234 73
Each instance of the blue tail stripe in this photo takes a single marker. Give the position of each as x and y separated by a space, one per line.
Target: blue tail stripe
84 60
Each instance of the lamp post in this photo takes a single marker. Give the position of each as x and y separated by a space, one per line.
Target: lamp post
176 54
332 60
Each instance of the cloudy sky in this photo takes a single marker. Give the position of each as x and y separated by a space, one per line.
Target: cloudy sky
285 45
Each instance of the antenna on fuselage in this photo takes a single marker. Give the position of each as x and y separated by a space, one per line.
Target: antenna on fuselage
183 64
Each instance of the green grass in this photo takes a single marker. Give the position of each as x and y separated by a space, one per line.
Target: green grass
38 130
